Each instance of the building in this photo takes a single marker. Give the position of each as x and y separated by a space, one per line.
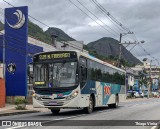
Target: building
150 71
153 72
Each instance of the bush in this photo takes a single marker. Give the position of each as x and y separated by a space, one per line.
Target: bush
20 101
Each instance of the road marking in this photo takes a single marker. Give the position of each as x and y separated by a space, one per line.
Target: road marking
155 127
68 117
15 127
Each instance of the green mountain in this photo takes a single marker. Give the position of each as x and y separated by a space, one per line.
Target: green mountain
107 48
45 36
62 36
37 32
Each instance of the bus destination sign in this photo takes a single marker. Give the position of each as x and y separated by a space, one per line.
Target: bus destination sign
55 55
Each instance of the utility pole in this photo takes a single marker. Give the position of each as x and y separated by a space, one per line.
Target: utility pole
120 46
150 86
120 50
150 79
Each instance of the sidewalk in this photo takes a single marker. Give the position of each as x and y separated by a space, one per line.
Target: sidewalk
9 109
139 99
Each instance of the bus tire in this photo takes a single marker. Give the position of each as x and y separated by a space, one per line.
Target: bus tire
55 111
90 107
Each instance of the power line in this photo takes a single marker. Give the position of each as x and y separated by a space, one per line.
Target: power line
28 15
92 18
111 16
97 17
101 10
107 15
72 3
19 42
35 31
146 51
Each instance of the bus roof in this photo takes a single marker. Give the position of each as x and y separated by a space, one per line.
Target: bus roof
89 57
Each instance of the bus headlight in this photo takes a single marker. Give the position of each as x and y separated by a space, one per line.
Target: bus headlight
36 96
72 95
33 93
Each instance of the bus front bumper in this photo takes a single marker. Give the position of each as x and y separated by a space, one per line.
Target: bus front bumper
77 102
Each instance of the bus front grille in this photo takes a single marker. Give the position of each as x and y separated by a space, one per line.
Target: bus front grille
53 103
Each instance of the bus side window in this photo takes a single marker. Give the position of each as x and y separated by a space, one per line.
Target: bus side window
84 73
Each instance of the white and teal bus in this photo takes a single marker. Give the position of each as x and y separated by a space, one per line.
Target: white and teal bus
73 79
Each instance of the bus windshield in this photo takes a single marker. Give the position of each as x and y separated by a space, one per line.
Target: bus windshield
56 74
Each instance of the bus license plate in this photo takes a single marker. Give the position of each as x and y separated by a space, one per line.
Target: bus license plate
52 102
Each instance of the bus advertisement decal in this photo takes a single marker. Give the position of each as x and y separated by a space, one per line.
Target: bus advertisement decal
106 92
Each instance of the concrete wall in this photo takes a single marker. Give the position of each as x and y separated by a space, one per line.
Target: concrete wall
1 70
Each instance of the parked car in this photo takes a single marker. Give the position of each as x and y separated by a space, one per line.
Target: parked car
138 95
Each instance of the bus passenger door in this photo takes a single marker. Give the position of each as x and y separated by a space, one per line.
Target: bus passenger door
83 71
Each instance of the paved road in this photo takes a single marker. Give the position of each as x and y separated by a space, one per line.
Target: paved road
135 110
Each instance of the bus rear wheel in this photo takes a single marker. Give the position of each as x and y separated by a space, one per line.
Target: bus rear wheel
90 107
55 111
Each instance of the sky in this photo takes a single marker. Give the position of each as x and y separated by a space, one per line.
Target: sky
89 24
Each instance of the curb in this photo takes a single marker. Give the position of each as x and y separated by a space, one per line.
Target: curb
17 113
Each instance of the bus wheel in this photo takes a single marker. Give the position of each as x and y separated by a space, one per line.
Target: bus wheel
55 111
89 109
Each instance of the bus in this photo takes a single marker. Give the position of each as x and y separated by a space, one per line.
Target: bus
73 79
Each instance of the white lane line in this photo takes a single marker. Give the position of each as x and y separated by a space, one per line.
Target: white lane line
16 127
68 117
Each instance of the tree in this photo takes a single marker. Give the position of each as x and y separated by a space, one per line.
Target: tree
143 79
